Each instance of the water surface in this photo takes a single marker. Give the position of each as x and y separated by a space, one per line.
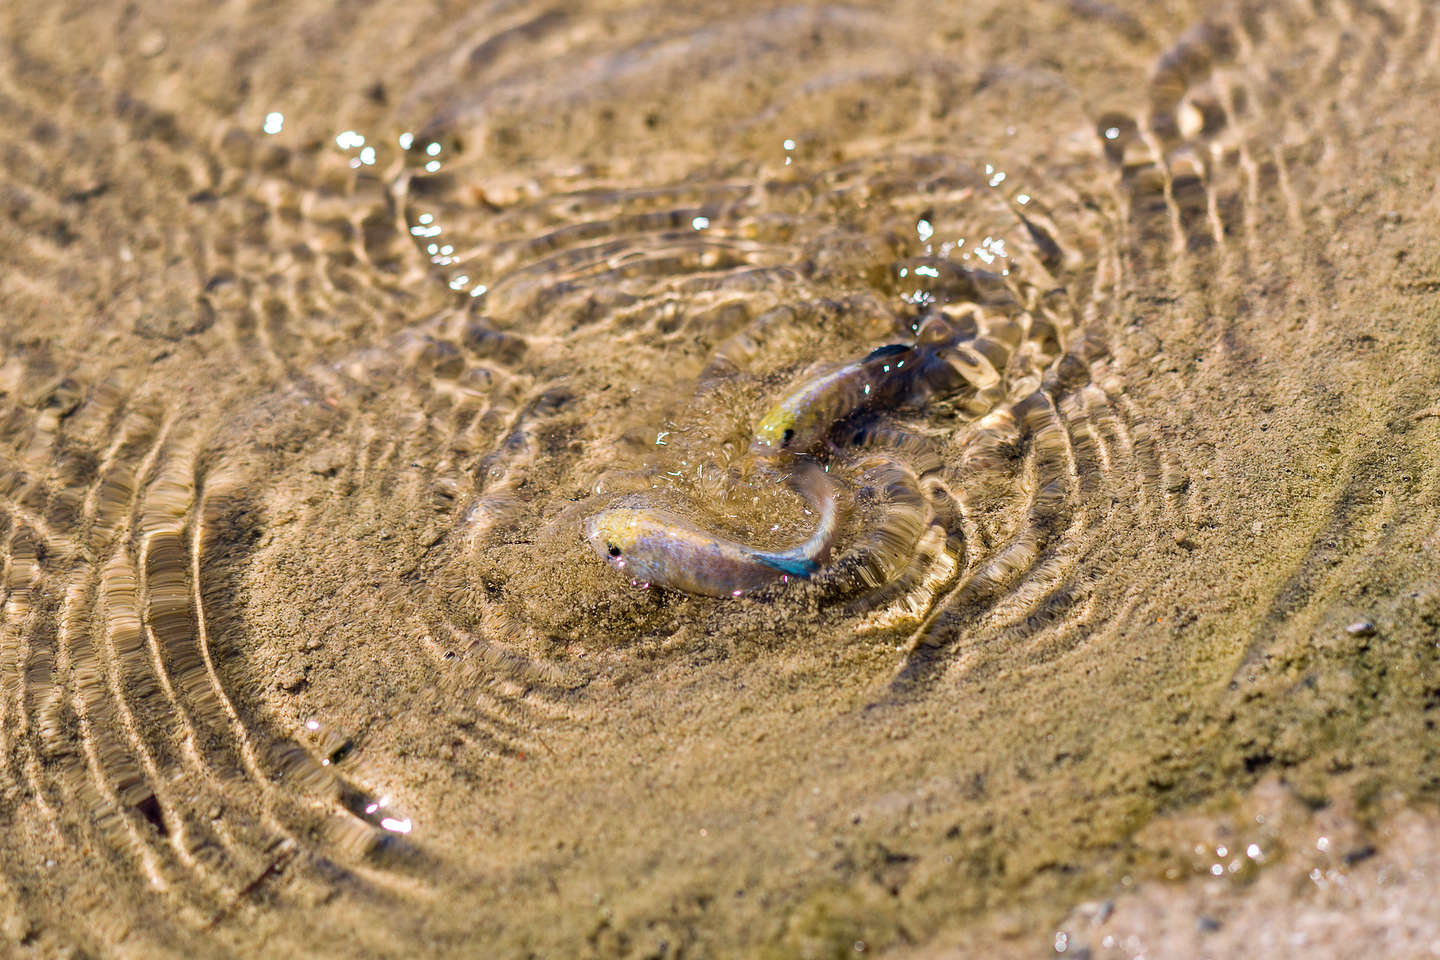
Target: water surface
325 328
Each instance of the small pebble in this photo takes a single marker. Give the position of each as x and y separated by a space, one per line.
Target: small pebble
1096 911
1206 924
290 677
1358 855
326 463
1361 628
15 929
152 44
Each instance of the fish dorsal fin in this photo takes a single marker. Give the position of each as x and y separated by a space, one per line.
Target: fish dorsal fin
889 350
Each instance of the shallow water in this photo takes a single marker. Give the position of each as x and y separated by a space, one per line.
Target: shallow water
325 329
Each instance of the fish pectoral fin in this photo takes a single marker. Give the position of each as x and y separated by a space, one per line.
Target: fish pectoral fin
795 566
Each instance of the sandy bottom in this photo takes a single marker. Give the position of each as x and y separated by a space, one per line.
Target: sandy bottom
323 329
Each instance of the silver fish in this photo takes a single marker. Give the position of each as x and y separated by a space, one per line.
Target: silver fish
658 548
800 422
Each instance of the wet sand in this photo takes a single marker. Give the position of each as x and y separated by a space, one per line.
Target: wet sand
322 331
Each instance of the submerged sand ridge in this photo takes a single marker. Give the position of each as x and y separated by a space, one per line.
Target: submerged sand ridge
324 332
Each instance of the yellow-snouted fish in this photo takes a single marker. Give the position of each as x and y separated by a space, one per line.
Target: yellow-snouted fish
659 548
799 423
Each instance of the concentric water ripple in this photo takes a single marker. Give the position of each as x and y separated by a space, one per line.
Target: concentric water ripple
324 330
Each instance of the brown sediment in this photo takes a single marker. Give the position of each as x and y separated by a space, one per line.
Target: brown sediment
301 648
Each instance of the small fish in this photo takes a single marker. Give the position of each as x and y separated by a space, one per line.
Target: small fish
799 423
659 548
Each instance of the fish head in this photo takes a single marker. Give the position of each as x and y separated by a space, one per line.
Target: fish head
617 537
776 434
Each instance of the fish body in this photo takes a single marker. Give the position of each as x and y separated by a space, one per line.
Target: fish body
800 422
660 548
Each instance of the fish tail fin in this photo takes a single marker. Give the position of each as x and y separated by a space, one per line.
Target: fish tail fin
815 485
791 562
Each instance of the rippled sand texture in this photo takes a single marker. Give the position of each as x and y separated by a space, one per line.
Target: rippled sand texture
324 327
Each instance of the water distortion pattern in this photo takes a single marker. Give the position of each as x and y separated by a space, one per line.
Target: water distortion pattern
308 385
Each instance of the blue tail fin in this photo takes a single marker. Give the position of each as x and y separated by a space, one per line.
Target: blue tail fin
796 566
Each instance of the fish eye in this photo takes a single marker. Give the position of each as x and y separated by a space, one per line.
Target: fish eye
789 435
614 550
